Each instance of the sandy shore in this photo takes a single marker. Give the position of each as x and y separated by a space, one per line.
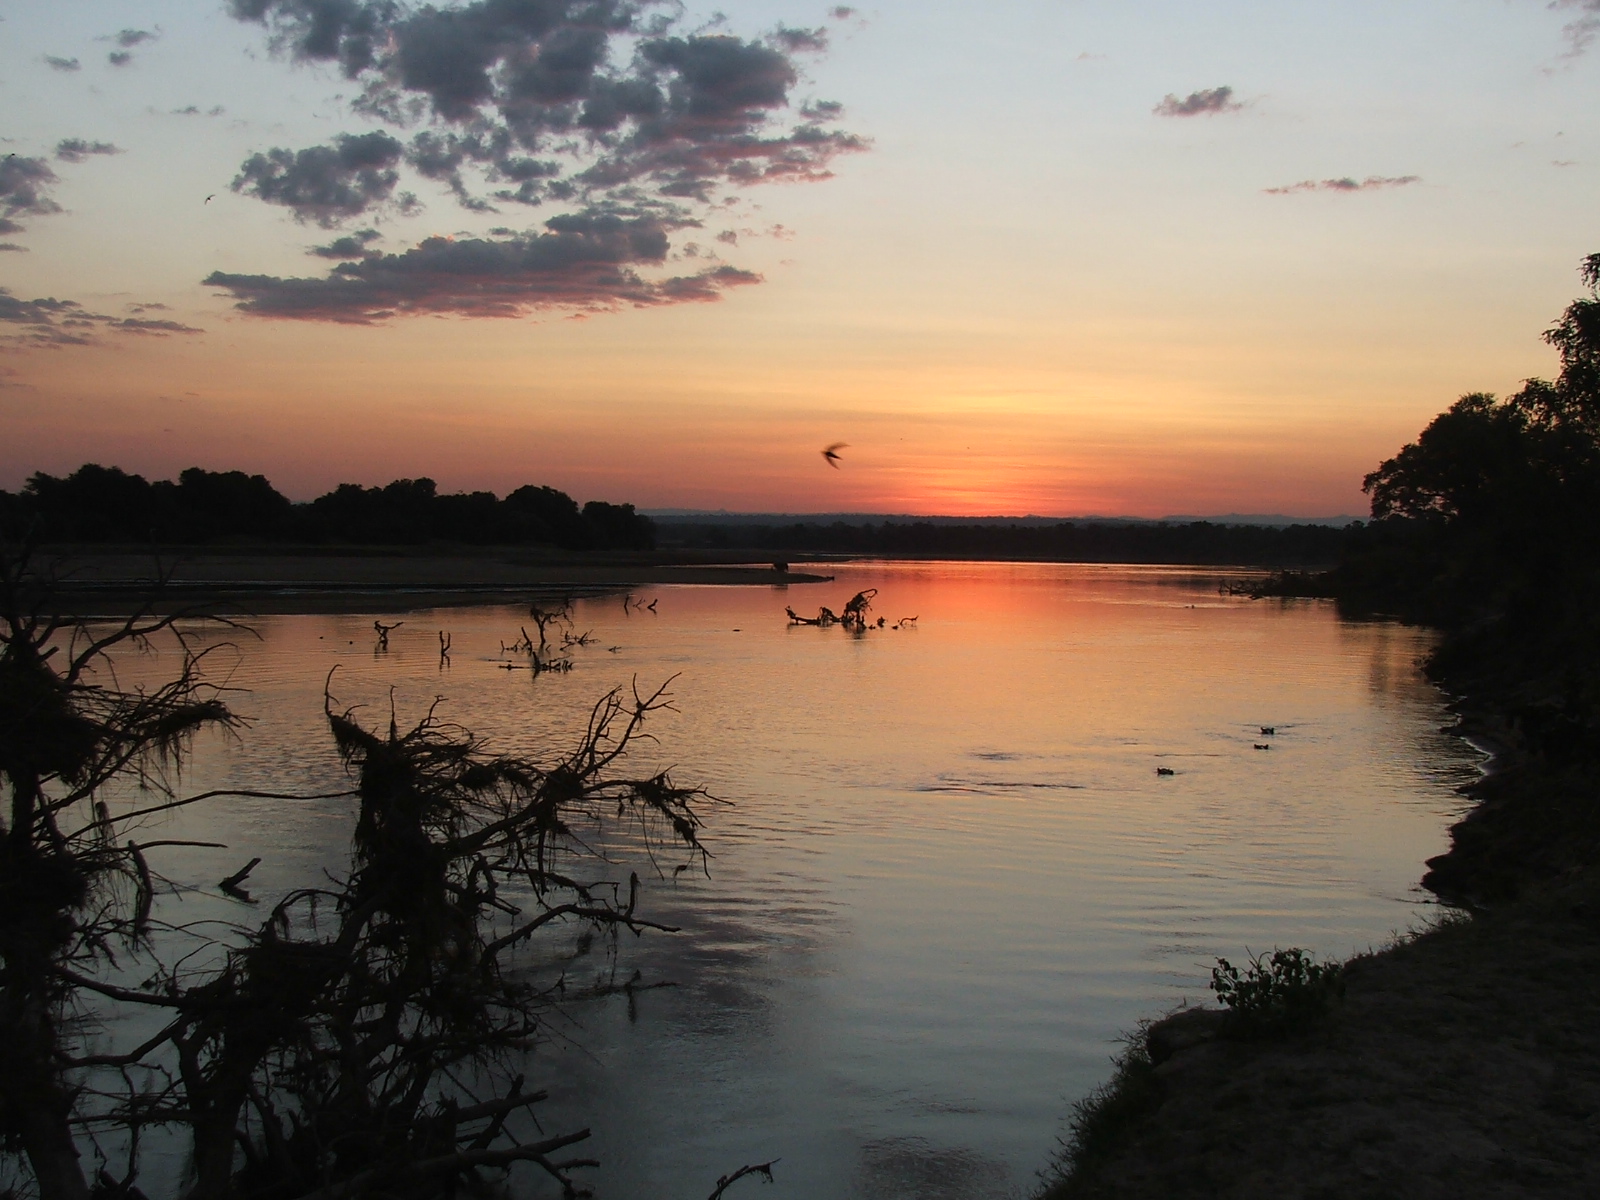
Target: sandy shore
348 580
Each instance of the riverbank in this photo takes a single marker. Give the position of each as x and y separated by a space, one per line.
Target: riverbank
357 579
1462 1061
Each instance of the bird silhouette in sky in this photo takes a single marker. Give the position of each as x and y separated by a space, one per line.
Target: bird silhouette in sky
832 453
210 198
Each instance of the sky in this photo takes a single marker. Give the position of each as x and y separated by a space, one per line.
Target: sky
1061 257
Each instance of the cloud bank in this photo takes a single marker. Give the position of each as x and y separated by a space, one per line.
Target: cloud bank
1346 184
327 184
52 323
1198 104
1580 32
76 150
602 109
585 261
24 190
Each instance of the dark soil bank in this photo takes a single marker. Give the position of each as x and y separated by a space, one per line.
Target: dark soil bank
1464 1062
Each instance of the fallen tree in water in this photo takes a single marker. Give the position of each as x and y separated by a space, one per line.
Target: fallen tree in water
359 1039
854 616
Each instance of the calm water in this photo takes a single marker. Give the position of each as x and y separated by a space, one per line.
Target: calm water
949 875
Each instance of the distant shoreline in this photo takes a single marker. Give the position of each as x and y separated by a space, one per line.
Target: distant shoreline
371 579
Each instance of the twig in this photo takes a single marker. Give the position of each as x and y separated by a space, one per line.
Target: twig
753 1169
232 882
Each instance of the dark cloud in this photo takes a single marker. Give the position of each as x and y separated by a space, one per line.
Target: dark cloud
326 184
797 40
126 40
62 64
598 83
12 248
841 12
1582 30
193 110
1346 184
1196 104
598 107
75 150
48 322
24 189
352 245
584 261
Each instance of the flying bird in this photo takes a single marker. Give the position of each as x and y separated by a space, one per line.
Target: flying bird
210 198
832 453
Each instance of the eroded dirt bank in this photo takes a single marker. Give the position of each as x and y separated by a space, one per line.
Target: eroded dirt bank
1464 1062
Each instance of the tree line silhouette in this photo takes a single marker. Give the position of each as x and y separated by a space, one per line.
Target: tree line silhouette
1066 541
1488 526
107 504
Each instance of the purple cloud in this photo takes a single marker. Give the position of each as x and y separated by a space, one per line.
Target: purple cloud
1198 104
589 262
1346 184
51 323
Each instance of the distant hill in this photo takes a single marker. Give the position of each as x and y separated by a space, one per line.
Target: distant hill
695 516
1260 541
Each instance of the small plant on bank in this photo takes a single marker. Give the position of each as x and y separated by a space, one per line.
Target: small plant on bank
1277 993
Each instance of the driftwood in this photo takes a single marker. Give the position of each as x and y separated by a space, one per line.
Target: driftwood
854 616
763 1169
231 884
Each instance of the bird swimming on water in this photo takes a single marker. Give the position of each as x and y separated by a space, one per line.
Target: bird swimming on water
832 453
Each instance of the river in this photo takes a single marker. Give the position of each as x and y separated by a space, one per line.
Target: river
949 872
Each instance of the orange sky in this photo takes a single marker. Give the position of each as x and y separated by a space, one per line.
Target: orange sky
1032 294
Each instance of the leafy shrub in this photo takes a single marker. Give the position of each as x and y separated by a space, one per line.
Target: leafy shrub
1277 993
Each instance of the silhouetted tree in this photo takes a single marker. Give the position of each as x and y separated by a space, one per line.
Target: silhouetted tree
71 892
349 1045
1489 525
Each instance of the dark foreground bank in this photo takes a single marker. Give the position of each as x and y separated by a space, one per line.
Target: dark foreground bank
1464 1061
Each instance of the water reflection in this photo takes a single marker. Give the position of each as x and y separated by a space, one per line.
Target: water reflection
951 872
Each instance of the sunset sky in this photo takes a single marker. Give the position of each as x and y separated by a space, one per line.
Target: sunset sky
1065 257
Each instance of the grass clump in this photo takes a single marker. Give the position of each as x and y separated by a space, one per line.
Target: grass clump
1277 994
1099 1123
